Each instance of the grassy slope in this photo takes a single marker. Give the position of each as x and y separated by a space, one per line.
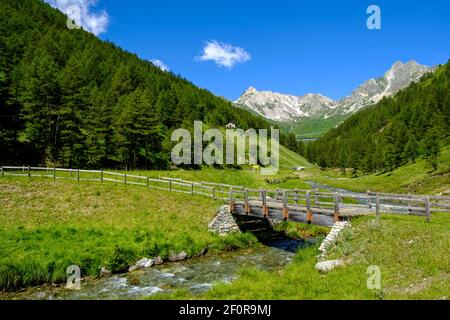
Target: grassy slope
415 178
311 127
47 226
413 258
245 176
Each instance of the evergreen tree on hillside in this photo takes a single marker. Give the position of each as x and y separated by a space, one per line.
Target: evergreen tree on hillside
41 100
430 148
69 99
411 150
411 124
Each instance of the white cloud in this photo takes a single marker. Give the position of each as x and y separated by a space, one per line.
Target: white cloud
223 54
80 12
160 65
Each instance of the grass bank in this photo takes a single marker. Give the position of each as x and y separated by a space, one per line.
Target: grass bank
413 257
48 225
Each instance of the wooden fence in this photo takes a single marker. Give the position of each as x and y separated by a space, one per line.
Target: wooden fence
287 200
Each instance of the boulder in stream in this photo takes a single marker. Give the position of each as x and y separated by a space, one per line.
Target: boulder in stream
141 264
104 272
158 260
178 257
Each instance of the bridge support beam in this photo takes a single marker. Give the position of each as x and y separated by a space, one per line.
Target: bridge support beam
266 211
246 204
264 203
309 215
285 207
231 202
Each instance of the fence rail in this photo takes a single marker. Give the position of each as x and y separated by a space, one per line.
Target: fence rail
287 200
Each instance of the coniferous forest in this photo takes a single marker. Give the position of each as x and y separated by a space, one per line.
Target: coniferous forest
69 99
413 124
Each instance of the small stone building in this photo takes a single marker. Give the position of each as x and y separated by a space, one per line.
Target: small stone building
230 126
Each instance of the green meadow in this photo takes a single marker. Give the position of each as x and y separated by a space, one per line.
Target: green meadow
412 256
414 178
49 224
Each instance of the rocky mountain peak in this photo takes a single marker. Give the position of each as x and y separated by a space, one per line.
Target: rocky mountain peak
282 107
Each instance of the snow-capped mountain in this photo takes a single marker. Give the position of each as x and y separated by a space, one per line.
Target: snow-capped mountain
282 107
372 91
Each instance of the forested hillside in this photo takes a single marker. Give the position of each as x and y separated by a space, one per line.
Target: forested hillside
69 99
414 123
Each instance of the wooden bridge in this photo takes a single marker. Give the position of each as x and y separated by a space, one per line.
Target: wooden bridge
326 208
306 206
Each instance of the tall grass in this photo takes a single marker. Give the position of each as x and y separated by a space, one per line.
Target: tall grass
48 225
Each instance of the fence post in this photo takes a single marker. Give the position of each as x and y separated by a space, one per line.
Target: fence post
2 171
336 207
427 209
231 201
192 188
29 172
54 173
309 215
246 204
101 175
170 185
378 207
148 182
316 198
125 178
214 193
285 206
78 175
369 199
409 203
296 196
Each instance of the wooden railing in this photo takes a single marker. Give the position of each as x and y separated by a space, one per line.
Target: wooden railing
287 200
338 203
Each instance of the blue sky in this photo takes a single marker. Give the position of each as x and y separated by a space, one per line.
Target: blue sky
293 47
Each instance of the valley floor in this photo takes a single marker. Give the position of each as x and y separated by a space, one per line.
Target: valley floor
48 225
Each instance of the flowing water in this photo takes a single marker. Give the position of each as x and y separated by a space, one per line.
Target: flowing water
195 275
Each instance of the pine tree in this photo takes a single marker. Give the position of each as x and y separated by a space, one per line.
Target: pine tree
411 150
41 98
431 148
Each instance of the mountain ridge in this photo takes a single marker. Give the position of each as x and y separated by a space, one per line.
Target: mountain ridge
291 108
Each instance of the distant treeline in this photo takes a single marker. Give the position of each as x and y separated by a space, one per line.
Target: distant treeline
70 99
414 123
